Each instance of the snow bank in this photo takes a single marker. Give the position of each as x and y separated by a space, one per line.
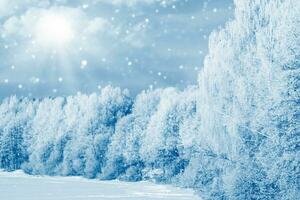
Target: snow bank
17 185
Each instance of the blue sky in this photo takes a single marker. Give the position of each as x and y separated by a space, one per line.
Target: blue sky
61 47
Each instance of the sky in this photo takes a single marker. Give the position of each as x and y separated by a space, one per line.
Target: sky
62 47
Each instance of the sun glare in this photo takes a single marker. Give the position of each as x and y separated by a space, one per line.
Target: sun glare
54 31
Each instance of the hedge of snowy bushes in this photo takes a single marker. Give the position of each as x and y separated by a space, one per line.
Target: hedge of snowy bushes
236 135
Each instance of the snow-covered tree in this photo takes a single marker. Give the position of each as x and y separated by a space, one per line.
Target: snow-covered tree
16 115
248 100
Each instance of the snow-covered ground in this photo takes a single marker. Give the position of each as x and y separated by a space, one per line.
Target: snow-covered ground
19 186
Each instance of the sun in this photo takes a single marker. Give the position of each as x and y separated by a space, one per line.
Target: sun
53 30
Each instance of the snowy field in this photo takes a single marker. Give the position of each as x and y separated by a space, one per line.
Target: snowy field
19 186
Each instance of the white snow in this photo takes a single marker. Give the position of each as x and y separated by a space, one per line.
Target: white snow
20 186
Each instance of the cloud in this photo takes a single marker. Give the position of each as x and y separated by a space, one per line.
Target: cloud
6 7
137 36
124 48
25 26
136 2
93 35
97 25
12 7
12 26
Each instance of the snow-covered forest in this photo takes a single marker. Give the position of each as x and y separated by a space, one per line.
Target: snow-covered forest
235 135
